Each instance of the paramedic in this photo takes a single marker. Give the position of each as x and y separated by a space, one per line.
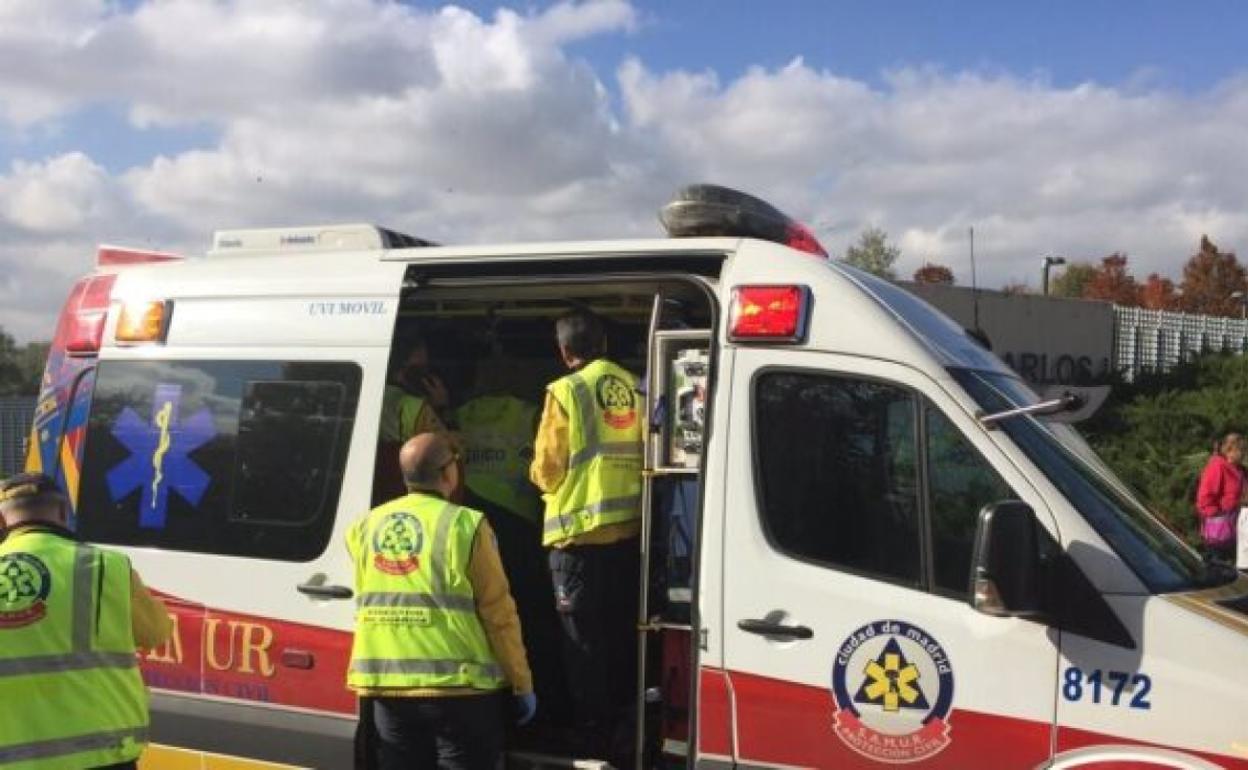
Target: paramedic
72 618
437 639
497 429
414 401
587 462
415 396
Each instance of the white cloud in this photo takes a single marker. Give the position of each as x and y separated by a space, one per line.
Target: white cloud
465 128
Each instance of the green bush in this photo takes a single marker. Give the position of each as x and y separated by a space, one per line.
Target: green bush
1158 432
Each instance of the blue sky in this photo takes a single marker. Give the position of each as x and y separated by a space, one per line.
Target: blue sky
1189 47
1079 128
1182 45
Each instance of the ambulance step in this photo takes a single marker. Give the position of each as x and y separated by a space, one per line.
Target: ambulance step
527 760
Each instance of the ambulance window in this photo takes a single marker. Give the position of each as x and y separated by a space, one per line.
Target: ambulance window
242 458
287 435
960 483
837 471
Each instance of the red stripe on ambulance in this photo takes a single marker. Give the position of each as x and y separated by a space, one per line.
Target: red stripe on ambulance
250 658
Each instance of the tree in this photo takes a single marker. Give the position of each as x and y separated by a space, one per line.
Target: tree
873 253
1210 277
1015 289
31 360
1113 282
1156 432
933 273
1158 293
21 368
10 366
1072 281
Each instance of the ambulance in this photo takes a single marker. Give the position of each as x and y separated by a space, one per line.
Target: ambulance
865 544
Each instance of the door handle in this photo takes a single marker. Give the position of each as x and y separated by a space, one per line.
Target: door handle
322 591
772 628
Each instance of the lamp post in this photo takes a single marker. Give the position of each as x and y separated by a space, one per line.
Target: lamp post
1046 263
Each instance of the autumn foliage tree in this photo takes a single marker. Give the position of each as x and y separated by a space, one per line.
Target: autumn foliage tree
933 273
1210 278
1158 293
1112 282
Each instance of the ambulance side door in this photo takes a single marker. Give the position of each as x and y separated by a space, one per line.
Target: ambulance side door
848 637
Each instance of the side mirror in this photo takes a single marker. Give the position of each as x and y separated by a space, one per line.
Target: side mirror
1007 573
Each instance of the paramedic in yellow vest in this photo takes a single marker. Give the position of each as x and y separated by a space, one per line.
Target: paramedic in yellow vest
414 397
415 401
587 462
497 428
72 618
437 645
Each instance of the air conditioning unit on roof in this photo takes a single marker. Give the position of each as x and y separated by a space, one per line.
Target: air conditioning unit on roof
286 240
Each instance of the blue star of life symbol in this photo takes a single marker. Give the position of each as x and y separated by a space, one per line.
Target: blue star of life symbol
159 459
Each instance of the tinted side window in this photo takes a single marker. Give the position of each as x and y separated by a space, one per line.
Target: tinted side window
838 472
232 457
960 484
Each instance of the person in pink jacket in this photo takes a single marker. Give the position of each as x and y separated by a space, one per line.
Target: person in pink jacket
1220 494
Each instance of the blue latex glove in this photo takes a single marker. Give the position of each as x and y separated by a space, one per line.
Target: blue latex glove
526 707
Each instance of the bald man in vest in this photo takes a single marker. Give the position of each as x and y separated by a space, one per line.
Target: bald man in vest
587 462
72 618
437 647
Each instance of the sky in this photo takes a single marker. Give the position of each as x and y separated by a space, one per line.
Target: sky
1057 128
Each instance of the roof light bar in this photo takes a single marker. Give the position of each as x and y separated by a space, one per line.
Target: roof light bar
711 210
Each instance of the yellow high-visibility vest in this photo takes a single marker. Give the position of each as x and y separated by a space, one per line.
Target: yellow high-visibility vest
603 481
399 412
416 622
498 437
70 691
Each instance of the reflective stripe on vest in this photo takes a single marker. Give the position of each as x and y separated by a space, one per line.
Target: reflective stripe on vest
416 616
603 481
498 433
65 626
77 744
396 599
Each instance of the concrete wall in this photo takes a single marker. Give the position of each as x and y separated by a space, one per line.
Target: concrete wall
1045 339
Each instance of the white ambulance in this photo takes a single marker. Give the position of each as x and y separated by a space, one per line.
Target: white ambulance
866 541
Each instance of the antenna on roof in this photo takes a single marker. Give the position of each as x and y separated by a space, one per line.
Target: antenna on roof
974 281
975 331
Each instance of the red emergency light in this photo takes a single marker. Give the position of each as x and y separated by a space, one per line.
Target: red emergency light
81 325
711 210
768 313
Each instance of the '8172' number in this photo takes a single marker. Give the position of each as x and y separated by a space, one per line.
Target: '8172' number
1107 686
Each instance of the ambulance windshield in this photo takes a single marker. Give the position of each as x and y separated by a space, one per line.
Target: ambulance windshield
1159 557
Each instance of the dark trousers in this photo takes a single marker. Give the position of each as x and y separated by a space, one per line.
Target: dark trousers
524 560
450 733
596 597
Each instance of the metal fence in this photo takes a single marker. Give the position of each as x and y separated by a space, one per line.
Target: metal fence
1156 340
16 414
